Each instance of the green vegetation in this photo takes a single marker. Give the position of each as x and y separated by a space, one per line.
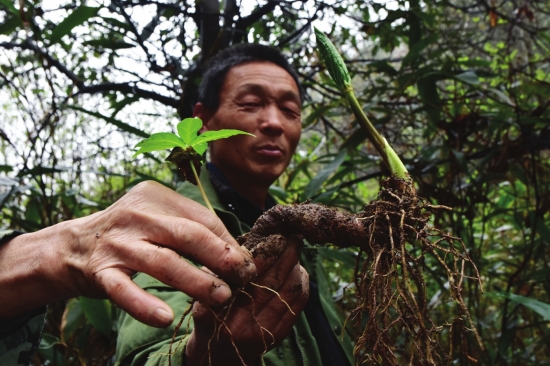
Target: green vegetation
459 89
189 148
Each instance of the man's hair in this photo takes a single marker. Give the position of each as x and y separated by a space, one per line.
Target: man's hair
219 65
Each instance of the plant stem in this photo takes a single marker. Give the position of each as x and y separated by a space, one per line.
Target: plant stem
201 189
376 139
391 159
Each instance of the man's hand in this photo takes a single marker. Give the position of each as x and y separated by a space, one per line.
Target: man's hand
147 230
257 320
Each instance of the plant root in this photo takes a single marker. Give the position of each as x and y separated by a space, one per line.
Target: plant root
395 242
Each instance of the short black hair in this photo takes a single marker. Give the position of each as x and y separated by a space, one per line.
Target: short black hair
219 65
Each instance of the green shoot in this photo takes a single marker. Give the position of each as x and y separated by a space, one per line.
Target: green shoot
339 73
188 148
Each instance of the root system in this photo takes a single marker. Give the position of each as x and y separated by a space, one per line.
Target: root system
393 240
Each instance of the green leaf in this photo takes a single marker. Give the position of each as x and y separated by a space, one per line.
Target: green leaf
278 192
109 44
10 25
338 255
48 341
118 106
543 230
316 183
39 170
316 114
76 18
6 168
200 148
73 318
122 125
538 307
117 23
468 77
416 49
159 141
501 96
188 129
217 135
98 312
9 4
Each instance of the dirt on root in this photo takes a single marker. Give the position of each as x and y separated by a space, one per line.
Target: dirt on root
394 239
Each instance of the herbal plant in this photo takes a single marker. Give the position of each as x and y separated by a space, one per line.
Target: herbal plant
187 149
394 241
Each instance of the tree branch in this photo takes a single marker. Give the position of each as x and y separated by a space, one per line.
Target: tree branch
243 23
29 45
91 89
128 87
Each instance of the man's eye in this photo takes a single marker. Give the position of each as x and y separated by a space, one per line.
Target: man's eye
250 104
290 111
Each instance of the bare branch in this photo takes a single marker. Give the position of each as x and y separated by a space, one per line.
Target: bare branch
29 45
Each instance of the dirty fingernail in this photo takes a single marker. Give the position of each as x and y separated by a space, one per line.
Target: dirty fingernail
162 318
249 266
220 294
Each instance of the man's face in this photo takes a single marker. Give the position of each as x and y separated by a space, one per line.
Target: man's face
260 98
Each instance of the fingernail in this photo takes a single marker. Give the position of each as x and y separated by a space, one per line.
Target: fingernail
249 266
220 294
162 318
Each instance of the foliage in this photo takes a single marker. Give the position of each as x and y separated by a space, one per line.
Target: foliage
460 89
188 138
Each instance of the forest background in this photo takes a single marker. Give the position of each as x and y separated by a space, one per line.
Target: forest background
461 90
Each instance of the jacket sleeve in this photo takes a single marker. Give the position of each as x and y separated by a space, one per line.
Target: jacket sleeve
20 336
140 344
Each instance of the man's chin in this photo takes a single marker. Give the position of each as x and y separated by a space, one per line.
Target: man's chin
266 176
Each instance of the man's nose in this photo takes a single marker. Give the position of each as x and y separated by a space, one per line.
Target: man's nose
272 121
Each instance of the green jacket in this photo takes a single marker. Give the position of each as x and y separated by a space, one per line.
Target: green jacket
139 344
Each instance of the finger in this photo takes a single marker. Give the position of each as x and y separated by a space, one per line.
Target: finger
267 251
277 274
195 241
162 199
170 268
293 295
144 307
270 249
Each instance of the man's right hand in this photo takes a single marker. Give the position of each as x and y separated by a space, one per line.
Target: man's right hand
147 230
260 317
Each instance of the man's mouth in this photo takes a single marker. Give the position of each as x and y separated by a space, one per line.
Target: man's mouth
270 151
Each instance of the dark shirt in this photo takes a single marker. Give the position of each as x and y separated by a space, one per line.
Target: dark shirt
332 353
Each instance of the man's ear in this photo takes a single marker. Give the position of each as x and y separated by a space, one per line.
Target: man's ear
204 114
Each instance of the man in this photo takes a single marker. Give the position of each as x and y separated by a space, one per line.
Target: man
251 88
